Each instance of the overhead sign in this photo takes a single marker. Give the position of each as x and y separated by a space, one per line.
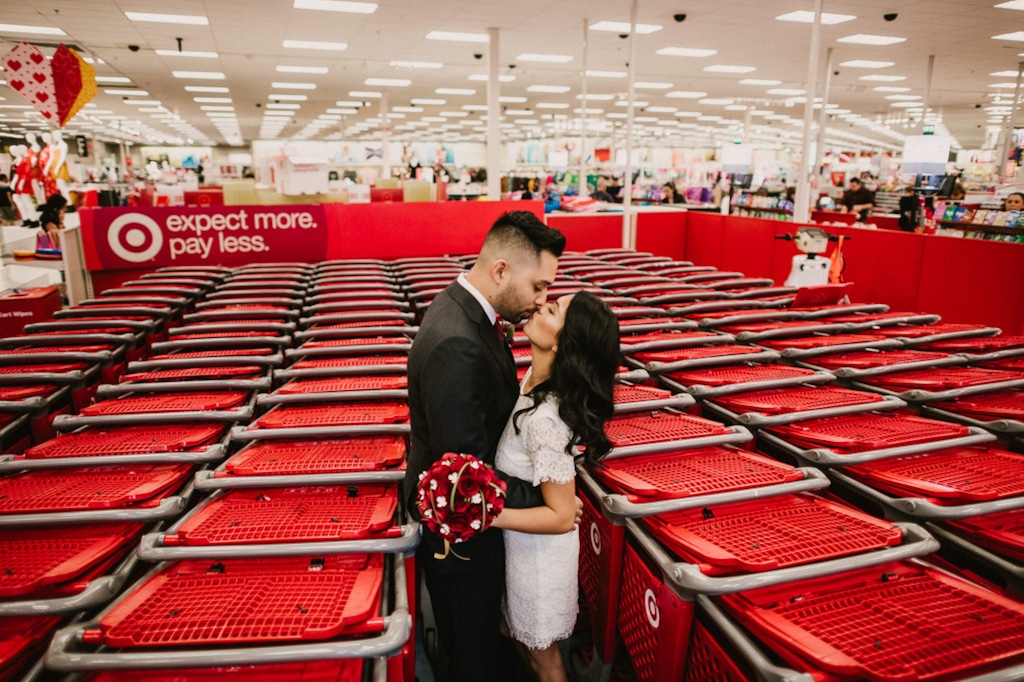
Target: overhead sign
223 235
925 154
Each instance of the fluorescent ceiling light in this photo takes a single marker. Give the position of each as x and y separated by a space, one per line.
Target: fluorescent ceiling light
636 103
407 64
807 17
216 108
337 6
455 91
503 78
348 103
189 19
686 94
458 37
302 69
127 93
736 107
434 119
1016 35
785 91
212 100
866 64
200 75
287 97
142 102
890 88
661 110
729 68
475 107
623 27
408 110
36 30
606 74
906 105
508 99
314 45
551 105
428 101
346 111
903 97
1013 4
588 111
879 78
516 112
716 100
651 85
551 58
274 105
759 81
388 82
365 93
616 114
869 39
999 74
549 88
205 88
685 52
284 85
1008 86
187 53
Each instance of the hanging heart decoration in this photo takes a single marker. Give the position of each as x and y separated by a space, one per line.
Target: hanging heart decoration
58 88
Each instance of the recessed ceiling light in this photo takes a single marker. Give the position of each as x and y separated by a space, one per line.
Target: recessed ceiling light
866 64
474 107
216 108
616 114
551 105
508 99
869 39
1008 86
189 19
458 37
388 82
302 69
685 52
205 88
596 97
348 103
407 64
112 79
142 102
785 91
729 68
408 110
807 17
370 94
274 105
998 74
336 6
127 93
890 88
285 85
636 103
906 105
605 74
759 81
502 78
623 27
686 94
314 45
736 107
187 53
1013 4
879 78
35 30
429 102
537 57
455 91
651 85
212 100
549 88
1016 35
588 111
514 112
200 75
287 98
661 110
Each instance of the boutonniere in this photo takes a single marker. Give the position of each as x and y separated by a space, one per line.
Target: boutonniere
510 333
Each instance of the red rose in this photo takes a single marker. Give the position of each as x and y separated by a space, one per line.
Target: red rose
468 485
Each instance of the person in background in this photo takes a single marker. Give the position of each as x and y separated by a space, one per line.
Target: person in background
909 209
762 191
602 193
957 193
8 216
51 219
671 196
1014 202
859 199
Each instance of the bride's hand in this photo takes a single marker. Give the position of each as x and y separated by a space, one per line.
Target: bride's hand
579 511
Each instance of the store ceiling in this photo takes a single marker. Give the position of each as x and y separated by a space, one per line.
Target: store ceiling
248 39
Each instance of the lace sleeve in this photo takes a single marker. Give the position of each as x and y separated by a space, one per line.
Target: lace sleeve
545 436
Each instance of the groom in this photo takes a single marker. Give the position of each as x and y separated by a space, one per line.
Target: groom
462 388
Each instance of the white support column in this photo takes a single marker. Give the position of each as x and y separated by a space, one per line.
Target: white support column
801 210
927 90
819 148
385 137
1008 132
628 235
583 189
493 119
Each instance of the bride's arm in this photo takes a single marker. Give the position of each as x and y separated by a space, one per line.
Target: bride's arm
558 515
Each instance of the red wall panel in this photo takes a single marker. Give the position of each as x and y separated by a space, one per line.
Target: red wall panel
585 231
704 238
748 246
884 266
662 233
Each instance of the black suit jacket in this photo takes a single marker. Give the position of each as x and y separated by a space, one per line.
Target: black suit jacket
462 388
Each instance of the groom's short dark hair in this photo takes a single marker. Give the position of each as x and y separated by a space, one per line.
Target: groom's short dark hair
523 231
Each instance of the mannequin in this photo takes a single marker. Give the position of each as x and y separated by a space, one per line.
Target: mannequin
46 166
35 170
58 166
22 182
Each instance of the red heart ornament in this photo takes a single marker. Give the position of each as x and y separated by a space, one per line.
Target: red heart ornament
17 85
37 57
14 65
39 78
42 97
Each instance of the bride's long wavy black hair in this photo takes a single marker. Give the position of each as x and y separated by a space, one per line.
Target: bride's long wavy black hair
583 374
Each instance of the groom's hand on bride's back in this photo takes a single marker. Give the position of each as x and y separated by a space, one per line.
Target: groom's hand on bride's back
579 511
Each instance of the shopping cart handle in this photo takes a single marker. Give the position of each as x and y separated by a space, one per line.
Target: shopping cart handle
764 356
70 422
758 420
832 458
620 507
633 376
916 542
96 593
75 376
857 373
918 395
886 344
169 507
241 433
701 391
735 435
209 480
112 390
678 401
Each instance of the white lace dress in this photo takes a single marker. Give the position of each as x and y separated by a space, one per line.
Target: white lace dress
541 571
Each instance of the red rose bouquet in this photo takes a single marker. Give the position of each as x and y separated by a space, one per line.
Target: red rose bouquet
458 497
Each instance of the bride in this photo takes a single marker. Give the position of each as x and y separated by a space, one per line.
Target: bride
565 400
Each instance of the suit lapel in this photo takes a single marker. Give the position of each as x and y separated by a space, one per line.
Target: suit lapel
500 353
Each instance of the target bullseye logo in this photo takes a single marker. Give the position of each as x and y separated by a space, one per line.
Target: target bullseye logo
595 538
651 608
135 238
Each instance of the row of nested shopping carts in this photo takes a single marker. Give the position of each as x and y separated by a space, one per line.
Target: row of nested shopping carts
799 489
